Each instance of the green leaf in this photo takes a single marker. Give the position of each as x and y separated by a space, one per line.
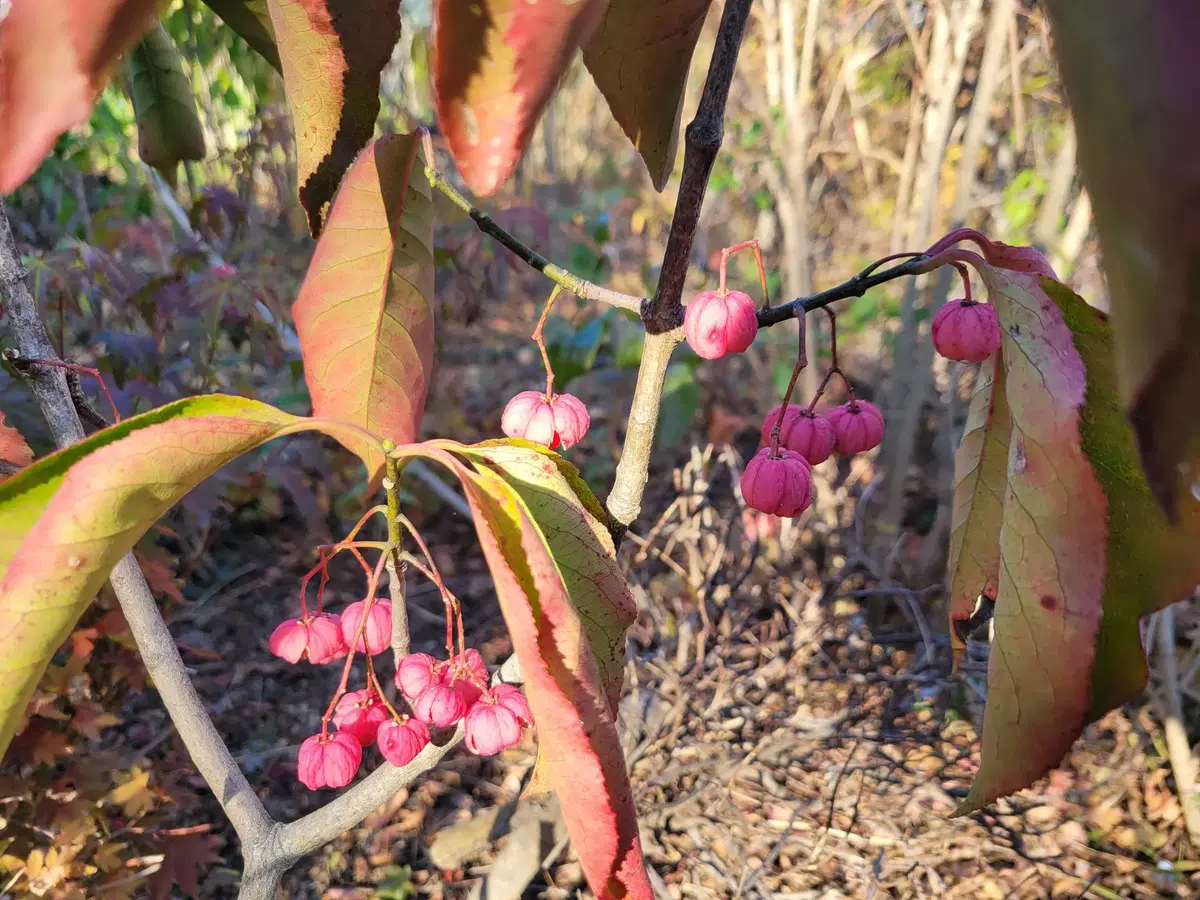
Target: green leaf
67 519
333 54
252 20
639 58
169 129
496 65
364 315
680 403
572 350
1132 80
567 607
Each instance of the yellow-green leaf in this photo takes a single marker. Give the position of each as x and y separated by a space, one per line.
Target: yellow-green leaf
67 519
980 485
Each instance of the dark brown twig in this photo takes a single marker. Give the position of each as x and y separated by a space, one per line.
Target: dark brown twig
855 287
664 312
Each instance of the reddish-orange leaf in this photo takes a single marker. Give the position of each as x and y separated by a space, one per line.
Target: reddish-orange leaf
13 449
184 855
365 313
333 53
49 747
58 55
639 58
90 719
83 642
496 65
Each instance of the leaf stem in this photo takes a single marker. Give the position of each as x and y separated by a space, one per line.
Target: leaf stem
395 568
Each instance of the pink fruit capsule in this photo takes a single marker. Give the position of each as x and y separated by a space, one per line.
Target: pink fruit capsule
468 675
716 324
328 760
857 427
778 484
966 331
416 672
378 632
316 638
401 741
807 433
360 713
510 697
439 704
555 420
491 728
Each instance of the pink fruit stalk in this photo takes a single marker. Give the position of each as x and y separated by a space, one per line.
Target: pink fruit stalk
316 637
552 420
857 427
510 697
780 485
401 741
328 760
468 675
715 325
491 728
439 704
416 672
807 433
360 713
966 331
378 633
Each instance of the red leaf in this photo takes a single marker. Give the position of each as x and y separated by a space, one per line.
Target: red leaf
159 575
496 65
83 642
364 315
58 55
333 53
639 58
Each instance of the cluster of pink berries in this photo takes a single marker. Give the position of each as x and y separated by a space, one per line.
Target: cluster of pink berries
778 480
439 692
